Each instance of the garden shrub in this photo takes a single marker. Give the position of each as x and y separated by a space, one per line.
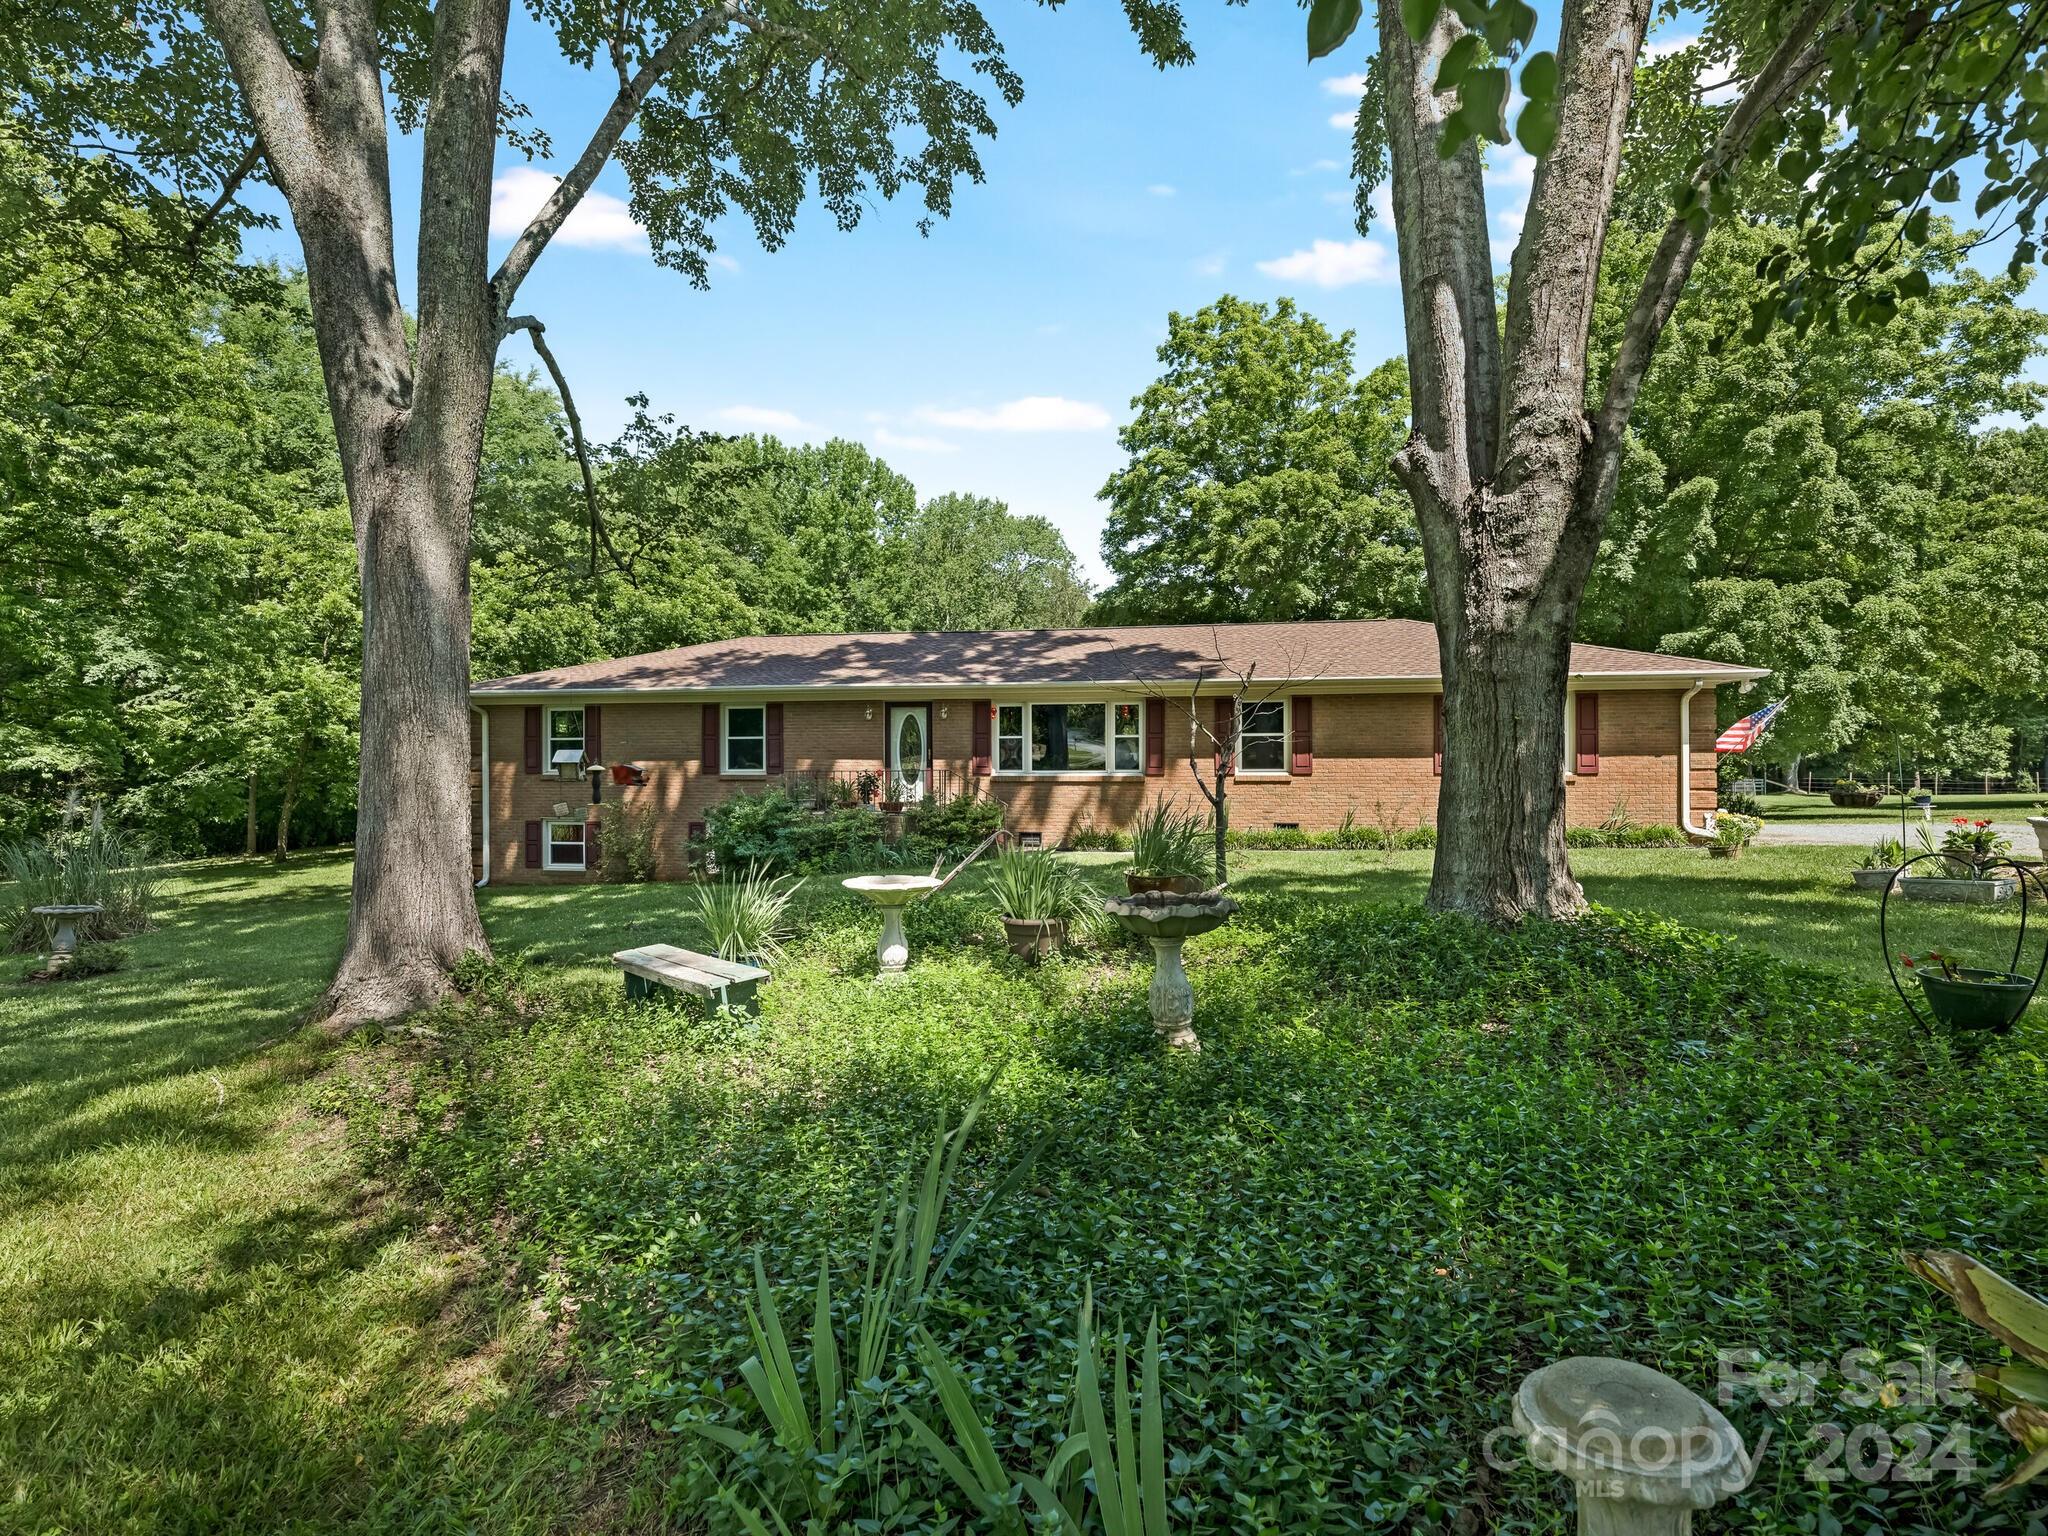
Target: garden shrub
1416 1157
950 828
775 829
627 841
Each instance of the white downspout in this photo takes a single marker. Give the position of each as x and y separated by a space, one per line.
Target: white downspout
484 805
1706 828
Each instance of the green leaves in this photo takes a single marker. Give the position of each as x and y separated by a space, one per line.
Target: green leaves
1330 25
1536 127
1418 16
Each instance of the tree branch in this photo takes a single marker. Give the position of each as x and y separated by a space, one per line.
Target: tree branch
603 140
272 86
598 534
230 185
1797 58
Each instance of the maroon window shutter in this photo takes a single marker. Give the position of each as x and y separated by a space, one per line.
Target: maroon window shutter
1304 736
533 762
1155 738
1436 709
1589 734
984 720
533 845
593 843
773 729
1224 728
711 740
593 733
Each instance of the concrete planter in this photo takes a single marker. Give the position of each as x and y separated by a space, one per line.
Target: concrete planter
1996 888
1873 879
2040 826
1033 938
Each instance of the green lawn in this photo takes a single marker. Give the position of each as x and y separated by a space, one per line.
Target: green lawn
212 1324
1783 807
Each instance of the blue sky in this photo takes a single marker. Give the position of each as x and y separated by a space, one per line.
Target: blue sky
1000 353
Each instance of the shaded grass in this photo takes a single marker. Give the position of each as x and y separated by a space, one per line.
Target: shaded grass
210 1322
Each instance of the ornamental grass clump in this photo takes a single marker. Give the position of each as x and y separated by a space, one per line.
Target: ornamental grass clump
747 917
1029 885
1169 843
101 867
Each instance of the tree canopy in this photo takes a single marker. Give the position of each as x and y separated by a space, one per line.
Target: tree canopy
1259 483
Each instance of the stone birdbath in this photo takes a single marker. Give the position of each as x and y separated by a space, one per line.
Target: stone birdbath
64 921
892 893
1168 919
1642 1451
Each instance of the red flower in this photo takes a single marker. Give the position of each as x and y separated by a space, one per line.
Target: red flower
1980 823
1961 821
1908 959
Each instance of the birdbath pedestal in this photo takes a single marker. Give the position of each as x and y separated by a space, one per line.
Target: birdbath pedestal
1642 1450
892 893
63 921
1168 919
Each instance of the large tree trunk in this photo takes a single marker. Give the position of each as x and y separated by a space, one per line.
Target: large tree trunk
249 820
409 423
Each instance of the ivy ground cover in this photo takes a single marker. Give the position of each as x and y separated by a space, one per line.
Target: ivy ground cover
1414 1160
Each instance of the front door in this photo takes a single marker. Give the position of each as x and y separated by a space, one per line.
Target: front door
909 752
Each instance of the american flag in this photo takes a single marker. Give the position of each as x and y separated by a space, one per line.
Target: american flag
1748 731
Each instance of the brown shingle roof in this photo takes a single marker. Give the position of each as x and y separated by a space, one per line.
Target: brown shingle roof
1338 650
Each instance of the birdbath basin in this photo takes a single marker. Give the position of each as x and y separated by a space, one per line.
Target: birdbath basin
1168 919
892 893
1643 1451
63 921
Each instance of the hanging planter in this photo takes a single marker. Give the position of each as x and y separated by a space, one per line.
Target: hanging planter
1969 1002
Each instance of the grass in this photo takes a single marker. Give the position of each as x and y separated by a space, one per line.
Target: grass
2008 807
213 1323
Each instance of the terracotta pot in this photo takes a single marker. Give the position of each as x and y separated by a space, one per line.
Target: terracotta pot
892 807
1032 938
1725 850
1180 885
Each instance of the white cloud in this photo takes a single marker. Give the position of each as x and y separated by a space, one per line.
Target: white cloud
1338 199
723 262
761 418
1033 413
1345 85
911 442
1664 47
1160 189
1335 264
1344 120
1512 170
599 222
1212 265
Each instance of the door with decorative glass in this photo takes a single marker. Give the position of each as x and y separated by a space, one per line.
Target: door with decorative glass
909 752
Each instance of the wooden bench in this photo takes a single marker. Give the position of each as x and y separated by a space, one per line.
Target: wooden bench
726 983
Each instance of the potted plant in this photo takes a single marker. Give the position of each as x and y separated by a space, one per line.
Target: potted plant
1036 897
2037 818
892 800
1967 999
867 784
1733 833
1168 851
1923 800
1880 865
1968 850
1849 792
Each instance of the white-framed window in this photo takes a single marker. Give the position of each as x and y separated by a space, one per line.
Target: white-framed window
1070 736
564 728
1262 736
562 845
746 738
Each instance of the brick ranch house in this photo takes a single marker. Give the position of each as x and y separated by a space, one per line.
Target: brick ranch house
1068 728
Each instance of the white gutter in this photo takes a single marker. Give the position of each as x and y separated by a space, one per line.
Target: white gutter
1705 829
484 783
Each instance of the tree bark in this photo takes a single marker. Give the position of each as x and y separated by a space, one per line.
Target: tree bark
249 820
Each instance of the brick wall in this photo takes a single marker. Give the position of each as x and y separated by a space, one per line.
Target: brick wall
1372 758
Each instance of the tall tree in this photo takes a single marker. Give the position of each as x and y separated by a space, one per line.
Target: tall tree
734 106
1869 111
969 562
1258 485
